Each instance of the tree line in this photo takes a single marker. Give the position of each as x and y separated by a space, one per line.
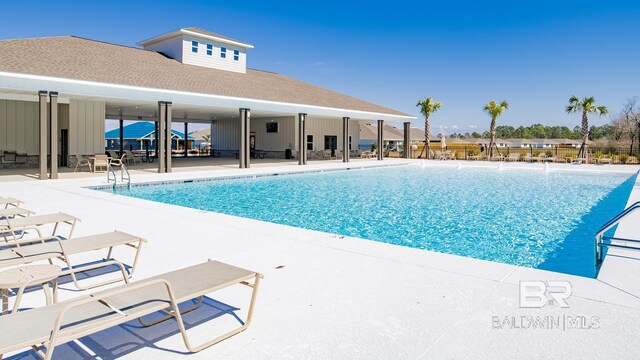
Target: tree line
539 131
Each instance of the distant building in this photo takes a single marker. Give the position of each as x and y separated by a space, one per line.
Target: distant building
141 136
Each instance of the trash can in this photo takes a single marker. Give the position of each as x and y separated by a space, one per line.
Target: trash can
287 154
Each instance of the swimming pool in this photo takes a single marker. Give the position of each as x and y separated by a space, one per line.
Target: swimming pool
545 220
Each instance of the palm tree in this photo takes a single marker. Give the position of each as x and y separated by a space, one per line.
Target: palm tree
427 107
586 105
494 110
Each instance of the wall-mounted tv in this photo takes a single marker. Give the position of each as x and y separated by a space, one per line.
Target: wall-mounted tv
272 127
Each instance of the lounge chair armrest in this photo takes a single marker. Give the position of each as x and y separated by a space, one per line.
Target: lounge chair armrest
93 298
80 269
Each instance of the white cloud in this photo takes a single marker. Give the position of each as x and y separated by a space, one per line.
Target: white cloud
455 127
473 126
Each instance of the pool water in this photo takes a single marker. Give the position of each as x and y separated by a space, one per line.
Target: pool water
531 218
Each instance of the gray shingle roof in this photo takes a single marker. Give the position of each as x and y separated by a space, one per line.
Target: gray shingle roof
90 60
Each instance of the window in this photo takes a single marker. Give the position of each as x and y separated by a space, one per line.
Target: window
209 49
309 142
223 52
194 46
236 55
272 127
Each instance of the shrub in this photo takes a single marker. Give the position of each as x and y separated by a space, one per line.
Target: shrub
549 153
624 158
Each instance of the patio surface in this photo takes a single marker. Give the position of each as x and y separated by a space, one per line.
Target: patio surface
325 297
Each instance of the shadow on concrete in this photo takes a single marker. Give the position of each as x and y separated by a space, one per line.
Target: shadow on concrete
127 338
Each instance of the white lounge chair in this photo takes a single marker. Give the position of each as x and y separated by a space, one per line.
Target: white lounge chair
15 228
50 248
13 212
73 319
7 202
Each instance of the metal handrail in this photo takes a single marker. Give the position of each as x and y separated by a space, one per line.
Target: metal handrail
124 169
599 244
111 171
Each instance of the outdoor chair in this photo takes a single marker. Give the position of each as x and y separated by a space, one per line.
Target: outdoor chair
73 319
49 248
14 229
100 161
603 161
11 213
513 157
326 155
81 162
7 202
132 158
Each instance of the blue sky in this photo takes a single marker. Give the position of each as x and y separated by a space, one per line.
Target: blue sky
534 54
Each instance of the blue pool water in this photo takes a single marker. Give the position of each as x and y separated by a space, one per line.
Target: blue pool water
521 217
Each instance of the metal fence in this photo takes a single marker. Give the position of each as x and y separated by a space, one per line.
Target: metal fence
564 154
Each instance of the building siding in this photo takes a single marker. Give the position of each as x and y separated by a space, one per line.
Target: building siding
280 141
320 127
226 135
170 47
19 125
86 127
214 61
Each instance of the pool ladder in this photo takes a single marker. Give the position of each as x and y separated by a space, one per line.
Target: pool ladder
123 178
602 241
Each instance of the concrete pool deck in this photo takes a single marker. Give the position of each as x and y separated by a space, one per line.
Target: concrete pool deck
330 297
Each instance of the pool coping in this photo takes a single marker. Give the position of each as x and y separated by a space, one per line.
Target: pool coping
430 298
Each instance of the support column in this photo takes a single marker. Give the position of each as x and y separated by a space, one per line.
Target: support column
160 150
53 140
42 144
211 139
186 138
407 140
345 139
121 137
302 139
168 137
380 139
245 126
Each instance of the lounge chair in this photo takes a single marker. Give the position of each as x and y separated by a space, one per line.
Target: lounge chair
530 158
82 162
544 158
10 213
7 202
73 319
603 161
14 229
498 157
49 248
513 157
326 155
438 155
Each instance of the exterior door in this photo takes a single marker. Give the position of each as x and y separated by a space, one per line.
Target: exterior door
331 143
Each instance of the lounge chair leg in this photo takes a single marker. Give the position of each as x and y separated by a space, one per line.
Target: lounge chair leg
170 313
229 334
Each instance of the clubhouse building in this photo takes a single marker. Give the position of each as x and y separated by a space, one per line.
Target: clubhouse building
56 92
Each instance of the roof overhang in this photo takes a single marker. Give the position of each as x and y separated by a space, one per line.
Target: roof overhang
181 32
106 92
